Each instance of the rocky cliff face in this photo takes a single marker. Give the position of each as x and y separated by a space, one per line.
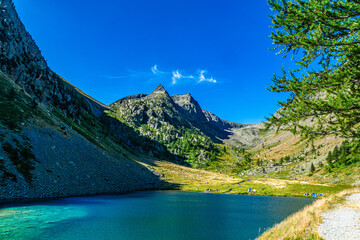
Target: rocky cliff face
21 60
189 106
220 123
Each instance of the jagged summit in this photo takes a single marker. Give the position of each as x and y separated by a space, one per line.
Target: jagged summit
159 91
160 88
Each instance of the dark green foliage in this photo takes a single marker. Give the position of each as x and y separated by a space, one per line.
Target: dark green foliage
14 105
330 160
9 116
5 174
312 168
33 103
195 147
248 158
11 94
245 160
258 162
347 154
22 157
323 37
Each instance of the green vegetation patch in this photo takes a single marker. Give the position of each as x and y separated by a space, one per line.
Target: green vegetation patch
345 155
22 158
15 106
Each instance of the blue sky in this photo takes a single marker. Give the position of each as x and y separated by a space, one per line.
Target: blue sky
216 50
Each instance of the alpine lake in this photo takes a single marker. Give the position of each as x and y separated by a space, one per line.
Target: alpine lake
148 215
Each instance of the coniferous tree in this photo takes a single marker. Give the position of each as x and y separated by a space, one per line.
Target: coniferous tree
329 160
324 38
312 168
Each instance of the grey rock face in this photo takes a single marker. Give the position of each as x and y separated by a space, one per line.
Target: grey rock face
189 106
220 123
248 136
69 166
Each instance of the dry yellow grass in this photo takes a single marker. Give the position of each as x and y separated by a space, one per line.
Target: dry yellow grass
189 179
303 224
277 183
282 144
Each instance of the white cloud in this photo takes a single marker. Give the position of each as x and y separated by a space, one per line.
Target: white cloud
176 76
202 77
154 69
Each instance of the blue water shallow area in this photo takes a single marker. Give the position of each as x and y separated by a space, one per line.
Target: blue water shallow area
148 215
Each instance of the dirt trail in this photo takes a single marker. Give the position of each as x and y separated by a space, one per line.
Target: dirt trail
343 222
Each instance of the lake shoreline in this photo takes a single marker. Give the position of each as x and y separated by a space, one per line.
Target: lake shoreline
47 199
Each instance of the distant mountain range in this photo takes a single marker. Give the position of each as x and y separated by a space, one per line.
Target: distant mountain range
159 107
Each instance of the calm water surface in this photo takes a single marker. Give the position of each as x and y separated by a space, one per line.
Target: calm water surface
148 215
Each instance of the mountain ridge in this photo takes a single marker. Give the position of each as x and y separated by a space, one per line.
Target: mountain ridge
188 105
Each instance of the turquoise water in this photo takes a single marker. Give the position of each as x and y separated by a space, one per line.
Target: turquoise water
148 215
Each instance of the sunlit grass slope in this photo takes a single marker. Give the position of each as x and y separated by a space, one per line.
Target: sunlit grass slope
189 179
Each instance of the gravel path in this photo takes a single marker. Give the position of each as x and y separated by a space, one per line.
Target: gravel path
343 222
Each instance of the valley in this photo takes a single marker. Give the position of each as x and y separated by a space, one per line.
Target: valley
56 141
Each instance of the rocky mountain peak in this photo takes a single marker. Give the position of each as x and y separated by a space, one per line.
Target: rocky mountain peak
159 90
